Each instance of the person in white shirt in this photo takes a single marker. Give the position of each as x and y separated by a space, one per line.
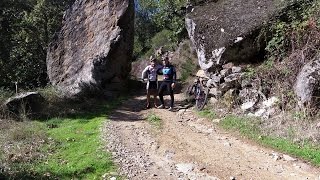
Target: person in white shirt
151 73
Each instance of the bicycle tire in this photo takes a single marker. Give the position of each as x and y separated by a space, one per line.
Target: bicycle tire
202 97
189 94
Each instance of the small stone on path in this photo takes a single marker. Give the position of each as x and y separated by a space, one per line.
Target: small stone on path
185 168
288 158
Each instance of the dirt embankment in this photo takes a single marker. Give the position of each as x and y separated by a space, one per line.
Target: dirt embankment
189 147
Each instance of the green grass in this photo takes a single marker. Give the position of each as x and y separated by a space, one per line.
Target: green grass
154 120
78 152
73 148
207 114
249 128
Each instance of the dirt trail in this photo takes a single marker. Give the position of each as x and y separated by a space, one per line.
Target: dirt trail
188 147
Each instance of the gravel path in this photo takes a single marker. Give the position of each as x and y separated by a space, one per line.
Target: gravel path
188 147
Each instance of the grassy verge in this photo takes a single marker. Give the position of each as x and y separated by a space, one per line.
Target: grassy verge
154 120
249 128
78 152
207 114
71 148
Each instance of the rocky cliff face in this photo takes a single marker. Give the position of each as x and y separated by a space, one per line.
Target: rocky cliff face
226 30
94 47
307 84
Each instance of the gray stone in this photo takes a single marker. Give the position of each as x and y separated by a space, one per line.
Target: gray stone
260 112
216 78
216 120
318 125
93 50
211 83
29 104
307 84
185 168
288 158
215 92
270 102
276 156
228 65
247 105
236 69
249 95
225 72
213 101
233 78
224 87
245 83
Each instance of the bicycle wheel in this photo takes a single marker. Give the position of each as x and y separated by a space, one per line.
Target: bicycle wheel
201 98
189 93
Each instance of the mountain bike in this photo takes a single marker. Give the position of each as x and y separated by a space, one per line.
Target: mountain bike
199 91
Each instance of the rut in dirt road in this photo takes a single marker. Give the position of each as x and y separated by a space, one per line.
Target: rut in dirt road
188 147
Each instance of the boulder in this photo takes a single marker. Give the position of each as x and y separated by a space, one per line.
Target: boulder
307 85
29 104
248 105
225 72
224 87
236 69
215 92
226 30
246 83
217 78
93 50
211 83
234 79
249 95
228 65
213 101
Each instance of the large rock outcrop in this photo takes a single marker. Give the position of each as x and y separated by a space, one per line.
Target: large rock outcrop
93 50
226 30
307 84
25 105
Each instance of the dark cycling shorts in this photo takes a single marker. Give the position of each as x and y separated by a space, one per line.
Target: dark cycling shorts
152 85
166 86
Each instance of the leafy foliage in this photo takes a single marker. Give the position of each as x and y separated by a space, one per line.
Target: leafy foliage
158 23
293 40
25 31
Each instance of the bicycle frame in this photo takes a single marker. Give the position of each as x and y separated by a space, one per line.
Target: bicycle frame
200 92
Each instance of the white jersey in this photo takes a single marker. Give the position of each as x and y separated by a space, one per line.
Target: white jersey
151 72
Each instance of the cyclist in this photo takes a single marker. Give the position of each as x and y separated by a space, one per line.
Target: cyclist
169 79
150 72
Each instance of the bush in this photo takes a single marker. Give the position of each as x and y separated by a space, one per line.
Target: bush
294 40
165 40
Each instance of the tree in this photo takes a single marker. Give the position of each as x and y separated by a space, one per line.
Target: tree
154 16
26 29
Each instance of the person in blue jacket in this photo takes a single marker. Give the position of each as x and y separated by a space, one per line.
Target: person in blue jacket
169 82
